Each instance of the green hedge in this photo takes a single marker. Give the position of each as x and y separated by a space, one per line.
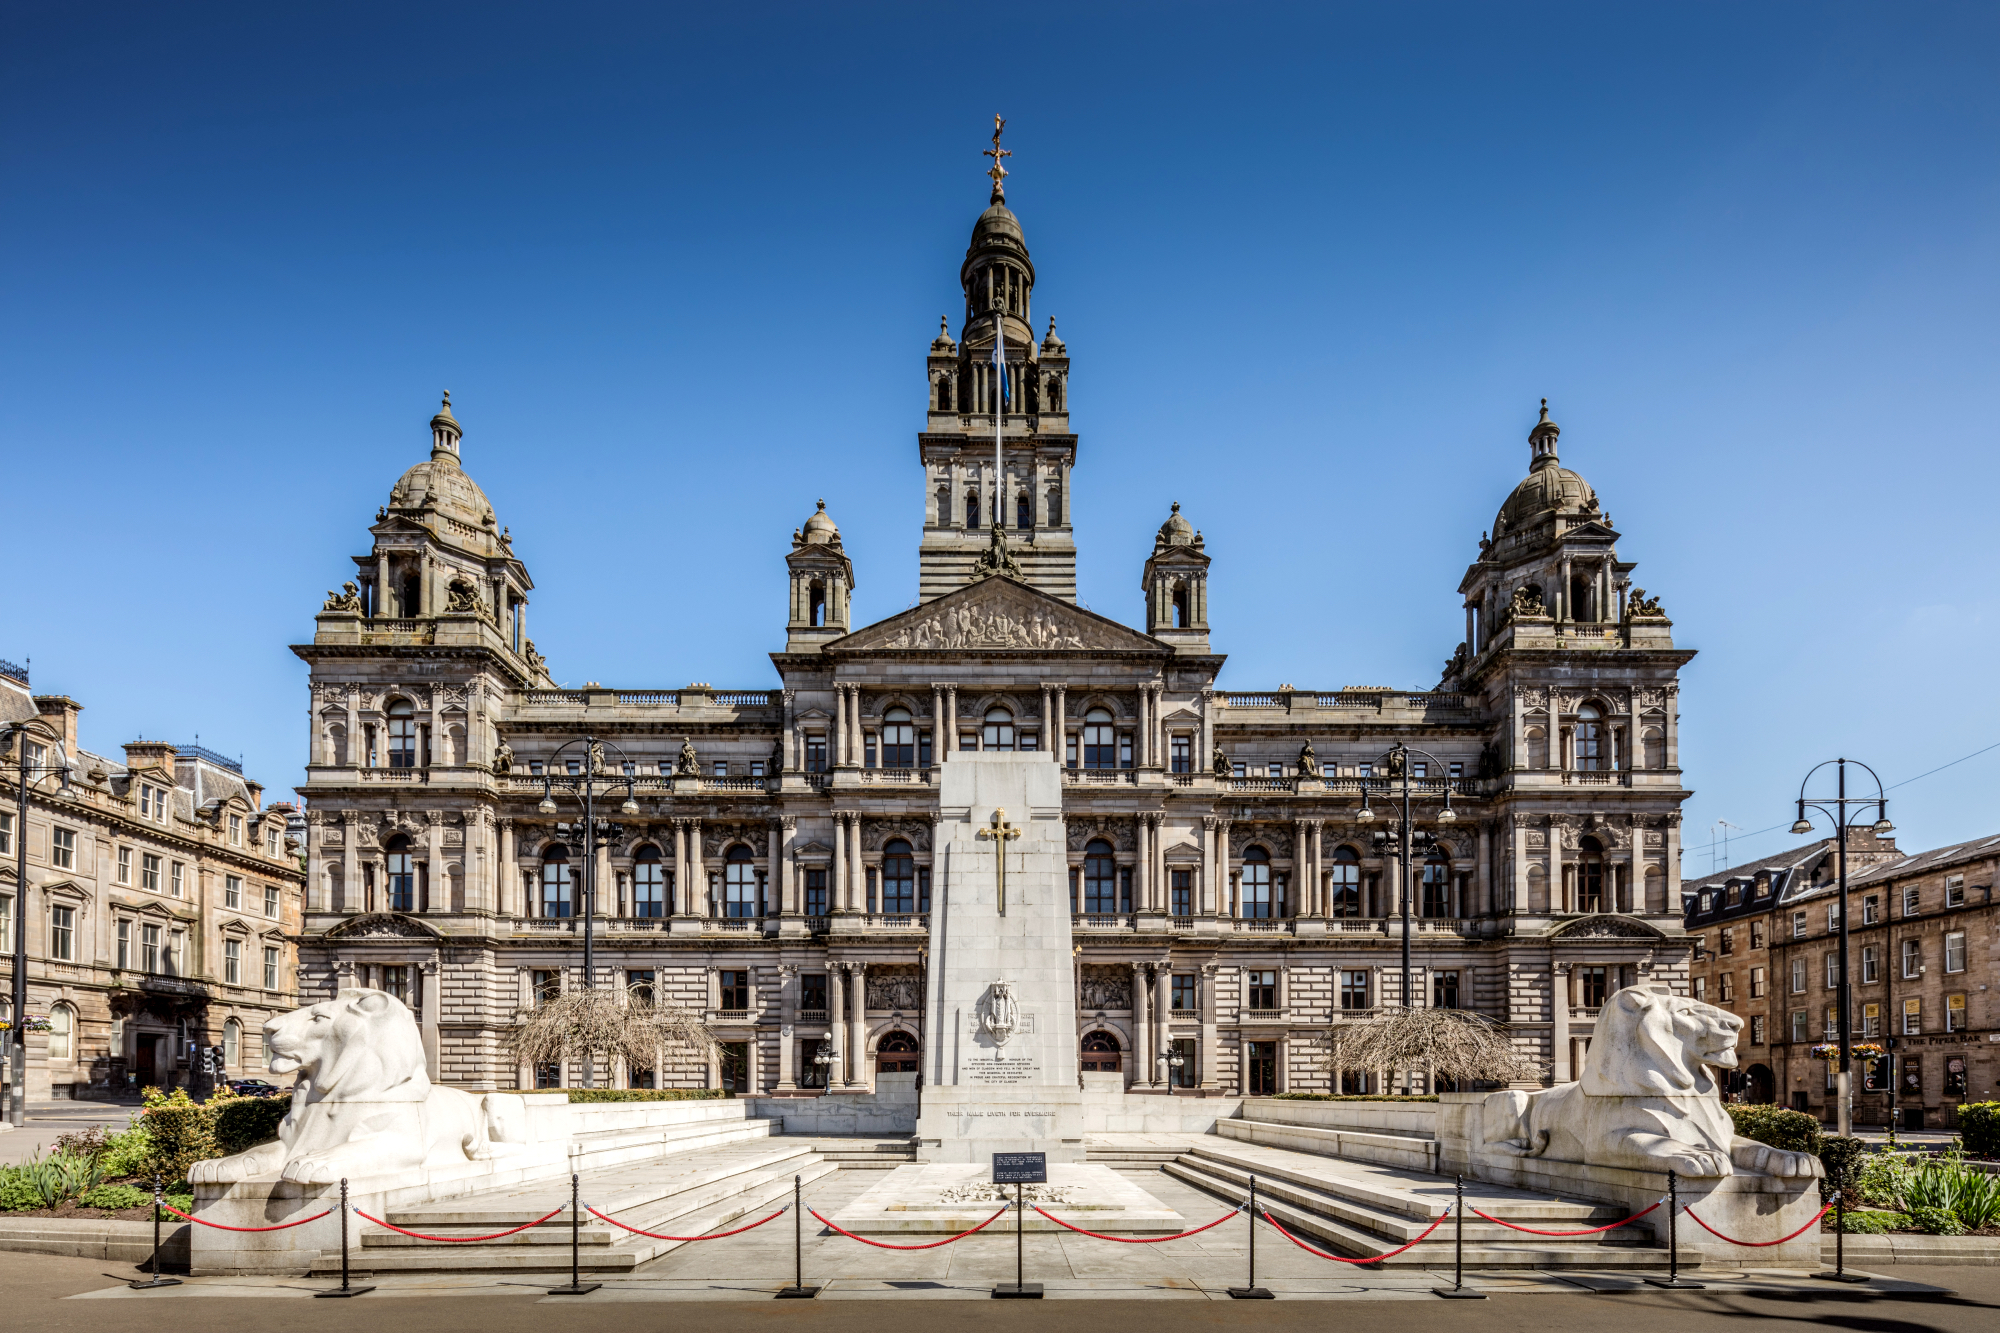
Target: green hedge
1841 1158
1348 1097
645 1094
248 1121
182 1132
1979 1128
1794 1131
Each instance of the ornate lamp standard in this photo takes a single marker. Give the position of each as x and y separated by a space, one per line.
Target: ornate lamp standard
1397 761
29 774
1169 1063
585 786
1835 809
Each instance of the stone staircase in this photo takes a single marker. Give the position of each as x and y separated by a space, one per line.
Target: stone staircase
1386 1197
861 1152
686 1194
1135 1150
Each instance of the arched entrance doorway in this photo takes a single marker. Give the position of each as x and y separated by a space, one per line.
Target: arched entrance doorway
896 1053
1759 1087
1100 1052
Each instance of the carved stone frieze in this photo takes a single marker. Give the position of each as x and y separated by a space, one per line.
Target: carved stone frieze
895 988
1106 988
878 833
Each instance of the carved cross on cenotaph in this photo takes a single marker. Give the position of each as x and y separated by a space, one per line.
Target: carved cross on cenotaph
999 832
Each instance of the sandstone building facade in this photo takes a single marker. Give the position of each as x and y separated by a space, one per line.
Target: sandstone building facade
164 900
772 863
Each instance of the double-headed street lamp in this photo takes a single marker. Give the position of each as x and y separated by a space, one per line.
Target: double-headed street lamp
585 786
1835 809
1397 763
28 775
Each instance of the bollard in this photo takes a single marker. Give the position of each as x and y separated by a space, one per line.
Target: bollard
798 1290
1840 1273
1458 1291
1251 1291
1025 1291
345 1288
157 1280
576 1287
1673 1278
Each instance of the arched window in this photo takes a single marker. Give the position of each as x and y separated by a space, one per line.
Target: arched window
896 1053
1589 739
1055 393
557 898
62 1034
401 878
944 393
1100 878
899 739
1180 613
999 730
649 883
1100 740
1437 887
1256 883
1024 511
972 509
1590 876
1100 1052
944 506
816 604
1055 506
402 734
232 1045
899 879
1344 883
739 882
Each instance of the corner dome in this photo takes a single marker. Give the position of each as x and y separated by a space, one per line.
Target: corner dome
1548 488
439 483
1176 531
997 219
820 530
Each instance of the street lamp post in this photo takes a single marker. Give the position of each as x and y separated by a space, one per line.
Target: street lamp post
584 786
1398 763
1835 809
17 1028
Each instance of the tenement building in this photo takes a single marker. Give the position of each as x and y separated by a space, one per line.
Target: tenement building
163 903
1233 860
1922 946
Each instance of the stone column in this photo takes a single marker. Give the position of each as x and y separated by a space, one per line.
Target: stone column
1519 823
681 904
857 1016
855 753
1559 1026
1205 1050
607 888
940 742
774 871
350 862
838 895
788 755
836 1024
430 1000
697 871
1051 733
788 1016
1206 741
839 725
1163 1002
788 887
1060 730
1670 733
857 879
1558 891
1162 888
1673 862
1142 1060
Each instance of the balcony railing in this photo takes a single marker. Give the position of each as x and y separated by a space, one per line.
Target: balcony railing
1102 921
898 921
1101 777
1578 777
1263 925
735 784
903 775
816 924
812 1016
1180 923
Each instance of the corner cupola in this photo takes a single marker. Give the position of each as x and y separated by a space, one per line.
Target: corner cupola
822 577
1175 582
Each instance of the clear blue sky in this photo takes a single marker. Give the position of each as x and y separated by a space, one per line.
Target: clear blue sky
679 266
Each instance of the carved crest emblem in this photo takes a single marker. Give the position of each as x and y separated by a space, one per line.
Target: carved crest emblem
999 1016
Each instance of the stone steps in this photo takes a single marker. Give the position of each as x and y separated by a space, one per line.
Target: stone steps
1355 1145
1360 1210
604 1149
860 1152
687 1195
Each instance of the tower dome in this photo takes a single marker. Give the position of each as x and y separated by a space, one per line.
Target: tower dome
439 484
1548 488
1176 531
820 530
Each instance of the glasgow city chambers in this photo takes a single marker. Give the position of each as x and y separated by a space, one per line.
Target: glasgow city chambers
763 856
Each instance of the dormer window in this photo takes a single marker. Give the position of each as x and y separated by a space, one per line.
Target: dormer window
236 830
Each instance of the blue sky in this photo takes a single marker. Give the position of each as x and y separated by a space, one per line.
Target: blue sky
1315 265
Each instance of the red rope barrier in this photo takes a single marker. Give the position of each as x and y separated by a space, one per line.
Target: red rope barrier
459 1240
717 1236
1342 1258
932 1246
1587 1231
220 1227
1761 1244
1138 1240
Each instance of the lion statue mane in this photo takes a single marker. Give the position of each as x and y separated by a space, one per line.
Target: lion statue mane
362 1104
1646 1101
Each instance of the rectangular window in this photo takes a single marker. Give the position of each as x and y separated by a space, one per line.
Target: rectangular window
1069 749
271 840
1756 1029
149 873
735 990
1832 971
867 751
1954 891
1756 983
177 880
1913 1076
1954 951
62 933
1444 989
1276 771
1727 987
1181 754
544 984
1913 1017
232 891
815 893
1185 1000
1419 769
1457 772
816 753
1830 1031
968 740
1124 749
124 945
1954 1076
924 757
1913 960
1025 740
1756 934
1364 770
270 967
722 768
1954 1013
1181 887
1801 1028
232 962
640 987
535 767
1701 988
1871 910
756 769
1833 916
6 834
149 949
812 992
1728 941
174 961
1353 991
1798 925
271 901
1910 900
124 865
1870 972
1260 1068
236 830
1798 976
548 1075
1871 1020
1263 989
1239 770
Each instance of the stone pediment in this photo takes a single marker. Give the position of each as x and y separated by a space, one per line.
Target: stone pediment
997 614
384 925
1607 927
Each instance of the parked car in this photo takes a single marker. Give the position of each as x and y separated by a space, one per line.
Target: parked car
257 1087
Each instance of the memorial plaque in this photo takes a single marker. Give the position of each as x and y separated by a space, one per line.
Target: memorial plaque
1020 1168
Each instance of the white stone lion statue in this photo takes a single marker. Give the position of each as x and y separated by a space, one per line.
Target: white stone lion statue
362 1104
1646 1100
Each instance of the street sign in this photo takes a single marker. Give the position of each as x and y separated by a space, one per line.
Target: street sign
1020 1168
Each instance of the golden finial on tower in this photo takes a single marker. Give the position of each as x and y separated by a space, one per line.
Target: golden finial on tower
997 171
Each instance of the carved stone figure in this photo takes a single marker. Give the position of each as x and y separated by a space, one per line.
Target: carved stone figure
1220 763
996 558
895 991
687 765
347 599
503 759
1308 761
1527 601
1638 606
1106 988
1647 1100
535 659
461 598
362 1104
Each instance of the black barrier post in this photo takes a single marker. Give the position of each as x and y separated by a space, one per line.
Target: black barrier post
1458 1291
157 1280
576 1287
345 1288
1673 1277
1018 1169
798 1290
1840 1273
1252 1292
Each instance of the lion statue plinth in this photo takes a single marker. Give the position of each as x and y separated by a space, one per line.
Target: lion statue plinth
362 1104
1646 1101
